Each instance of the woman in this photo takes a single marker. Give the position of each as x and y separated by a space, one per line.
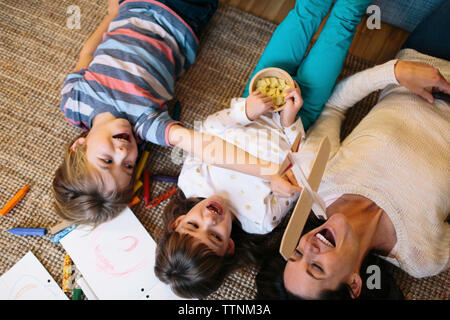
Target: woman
386 186
228 196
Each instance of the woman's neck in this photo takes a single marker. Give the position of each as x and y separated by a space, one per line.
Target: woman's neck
372 226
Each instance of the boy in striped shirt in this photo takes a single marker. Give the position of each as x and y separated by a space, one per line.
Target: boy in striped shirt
118 95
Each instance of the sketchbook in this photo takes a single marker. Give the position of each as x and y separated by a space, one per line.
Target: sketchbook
29 280
117 260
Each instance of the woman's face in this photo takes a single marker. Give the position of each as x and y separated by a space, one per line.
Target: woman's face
210 221
324 258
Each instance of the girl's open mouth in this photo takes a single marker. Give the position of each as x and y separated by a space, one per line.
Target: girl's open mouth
215 207
326 236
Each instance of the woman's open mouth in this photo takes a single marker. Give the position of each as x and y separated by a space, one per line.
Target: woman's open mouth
327 237
215 207
124 137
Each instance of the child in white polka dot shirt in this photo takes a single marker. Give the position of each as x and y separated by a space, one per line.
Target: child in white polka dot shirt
251 125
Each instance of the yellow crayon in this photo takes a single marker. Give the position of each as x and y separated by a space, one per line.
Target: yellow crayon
137 185
67 273
141 164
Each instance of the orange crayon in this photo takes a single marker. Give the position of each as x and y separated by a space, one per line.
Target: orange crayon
12 203
134 202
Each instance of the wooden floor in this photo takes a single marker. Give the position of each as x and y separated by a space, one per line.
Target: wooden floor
377 46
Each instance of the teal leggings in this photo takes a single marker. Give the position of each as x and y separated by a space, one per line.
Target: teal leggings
316 73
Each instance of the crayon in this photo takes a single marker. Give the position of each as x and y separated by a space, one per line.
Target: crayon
67 274
15 199
62 234
134 202
146 186
177 111
76 294
137 186
141 164
59 227
28 231
164 178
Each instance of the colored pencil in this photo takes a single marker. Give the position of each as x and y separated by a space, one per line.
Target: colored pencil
28 231
12 203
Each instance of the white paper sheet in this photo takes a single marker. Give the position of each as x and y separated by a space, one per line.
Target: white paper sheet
28 280
117 259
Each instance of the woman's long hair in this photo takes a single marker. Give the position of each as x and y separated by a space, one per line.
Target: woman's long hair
191 268
270 284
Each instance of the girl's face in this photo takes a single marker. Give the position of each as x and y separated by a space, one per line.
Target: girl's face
324 258
210 221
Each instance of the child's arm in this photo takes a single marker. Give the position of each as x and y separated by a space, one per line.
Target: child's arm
242 112
89 47
213 150
232 117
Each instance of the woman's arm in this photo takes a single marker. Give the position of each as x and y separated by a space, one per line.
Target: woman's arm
89 47
417 77
213 150
346 94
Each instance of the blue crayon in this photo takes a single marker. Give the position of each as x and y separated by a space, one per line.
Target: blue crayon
28 231
62 234
164 178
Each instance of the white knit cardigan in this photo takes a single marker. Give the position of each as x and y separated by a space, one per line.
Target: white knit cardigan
398 156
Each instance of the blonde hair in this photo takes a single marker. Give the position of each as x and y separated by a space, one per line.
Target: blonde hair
80 193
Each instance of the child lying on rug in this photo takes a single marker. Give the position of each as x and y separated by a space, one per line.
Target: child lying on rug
118 94
210 226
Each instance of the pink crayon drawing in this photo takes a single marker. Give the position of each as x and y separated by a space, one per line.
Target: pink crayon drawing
113 257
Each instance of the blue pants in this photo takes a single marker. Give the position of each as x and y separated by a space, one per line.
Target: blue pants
432 35
196 13
316 73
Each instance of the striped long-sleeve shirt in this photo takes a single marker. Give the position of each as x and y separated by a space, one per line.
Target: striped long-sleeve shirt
133 71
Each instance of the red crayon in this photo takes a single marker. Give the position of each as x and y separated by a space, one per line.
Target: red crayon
146 186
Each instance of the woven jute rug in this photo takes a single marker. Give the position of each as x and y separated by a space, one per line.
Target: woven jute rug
38 49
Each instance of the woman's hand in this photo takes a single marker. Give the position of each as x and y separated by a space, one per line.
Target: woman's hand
283 187
293 104
257 104
420 78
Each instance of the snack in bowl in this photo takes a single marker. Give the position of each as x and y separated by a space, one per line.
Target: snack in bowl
274 88
272 82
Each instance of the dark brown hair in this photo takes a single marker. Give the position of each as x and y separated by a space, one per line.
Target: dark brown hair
192 269
80 195
270 283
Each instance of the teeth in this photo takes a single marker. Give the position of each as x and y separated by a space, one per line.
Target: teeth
212 208
324 240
